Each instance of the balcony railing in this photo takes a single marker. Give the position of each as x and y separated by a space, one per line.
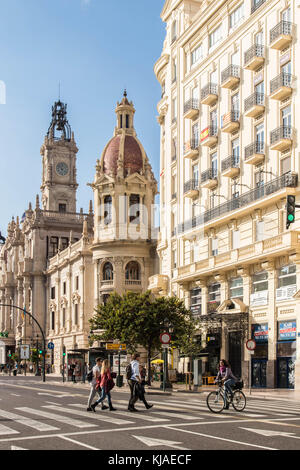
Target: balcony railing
257 50
282 132
256 4
288 180
283 79
191 185
254 148
192 144
230 71
210 174
192 103
209 89
232 116
284 27
256 99
230 162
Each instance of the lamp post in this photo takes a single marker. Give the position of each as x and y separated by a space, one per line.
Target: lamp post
168 328
37 372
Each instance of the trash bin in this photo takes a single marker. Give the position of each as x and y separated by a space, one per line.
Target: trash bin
15 372
119 381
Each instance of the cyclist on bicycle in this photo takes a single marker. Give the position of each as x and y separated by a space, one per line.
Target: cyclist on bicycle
226 376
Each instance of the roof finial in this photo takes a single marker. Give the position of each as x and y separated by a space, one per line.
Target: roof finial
125 92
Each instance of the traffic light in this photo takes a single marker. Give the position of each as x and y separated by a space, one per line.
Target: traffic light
9 353
290 210
40 351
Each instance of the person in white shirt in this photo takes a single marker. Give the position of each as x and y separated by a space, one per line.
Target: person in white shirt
93 391
133 381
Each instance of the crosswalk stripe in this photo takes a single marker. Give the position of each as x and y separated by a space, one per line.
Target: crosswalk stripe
32 423
63 419
128 414
4 430
177 415
100 416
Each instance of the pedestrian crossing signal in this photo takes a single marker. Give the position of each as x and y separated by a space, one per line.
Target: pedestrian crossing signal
290 210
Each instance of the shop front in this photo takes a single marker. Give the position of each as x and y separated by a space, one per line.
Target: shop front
286 354
259 361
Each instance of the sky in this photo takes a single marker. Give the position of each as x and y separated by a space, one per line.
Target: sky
94 49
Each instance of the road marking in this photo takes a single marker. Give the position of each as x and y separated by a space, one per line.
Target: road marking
17 448
4 430
268 433
176 415
127 414
15 395
62 419
55 395
32 423
221 438
88 414
78 443
151 442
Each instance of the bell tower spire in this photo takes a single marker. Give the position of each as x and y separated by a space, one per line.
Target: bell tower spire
125 117
59 183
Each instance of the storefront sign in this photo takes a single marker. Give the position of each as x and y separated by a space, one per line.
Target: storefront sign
259 298
260 333
287 330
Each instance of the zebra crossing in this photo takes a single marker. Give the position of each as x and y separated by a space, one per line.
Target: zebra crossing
53 417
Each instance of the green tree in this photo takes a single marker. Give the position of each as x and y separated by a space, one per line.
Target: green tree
139 319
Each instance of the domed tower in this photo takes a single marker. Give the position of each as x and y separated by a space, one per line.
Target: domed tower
124 192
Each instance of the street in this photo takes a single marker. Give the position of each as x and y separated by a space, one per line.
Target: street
53 416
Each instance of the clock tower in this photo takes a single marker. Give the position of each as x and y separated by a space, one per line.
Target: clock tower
59 151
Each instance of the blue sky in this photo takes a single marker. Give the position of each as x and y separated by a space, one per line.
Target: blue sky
95 49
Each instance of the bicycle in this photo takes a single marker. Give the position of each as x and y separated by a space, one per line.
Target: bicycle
216 400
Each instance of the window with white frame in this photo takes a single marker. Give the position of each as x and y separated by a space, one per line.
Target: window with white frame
236 16
196 54
214 246
285 165
215 36
260 282
236 288
286 282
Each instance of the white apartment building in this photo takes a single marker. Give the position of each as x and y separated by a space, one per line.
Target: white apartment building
229 158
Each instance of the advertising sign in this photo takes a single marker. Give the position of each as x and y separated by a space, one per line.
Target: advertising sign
123 363
24 351
259 298
260 333
287 330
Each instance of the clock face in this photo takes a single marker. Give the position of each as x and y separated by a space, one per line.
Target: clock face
62 169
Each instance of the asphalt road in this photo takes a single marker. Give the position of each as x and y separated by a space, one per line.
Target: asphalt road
50 416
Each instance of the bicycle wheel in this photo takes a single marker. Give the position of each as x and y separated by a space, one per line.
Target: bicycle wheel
215 402
238 400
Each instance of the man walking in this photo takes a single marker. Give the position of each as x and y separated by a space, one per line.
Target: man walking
96 374
134 382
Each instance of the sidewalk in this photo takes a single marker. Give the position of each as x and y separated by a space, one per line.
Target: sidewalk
263 393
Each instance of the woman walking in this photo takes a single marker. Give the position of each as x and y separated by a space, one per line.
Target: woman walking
106 383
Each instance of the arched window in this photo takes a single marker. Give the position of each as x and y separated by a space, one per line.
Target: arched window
107 210
108 272
133 271
134 208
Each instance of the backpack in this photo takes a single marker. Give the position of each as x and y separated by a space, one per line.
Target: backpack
90 375
128 372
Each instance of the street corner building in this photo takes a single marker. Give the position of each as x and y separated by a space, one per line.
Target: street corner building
229 158
60 264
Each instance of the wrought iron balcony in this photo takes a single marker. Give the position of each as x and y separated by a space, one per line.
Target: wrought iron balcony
288 180
191 187
256 4
231 166
209 94
191 108
230 121
281 35
209 136
254 57
254 105
230 77
190 148
209 178
255 153
280 86
281 138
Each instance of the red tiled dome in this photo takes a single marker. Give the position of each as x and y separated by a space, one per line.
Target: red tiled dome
133 159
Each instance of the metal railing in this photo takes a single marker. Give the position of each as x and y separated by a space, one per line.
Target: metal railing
288 180
209 89
282 132
231 162
232 116
230 71
256 4
191 185
192 103
283 79
254 100
210 174
255 147
257 50
192 144
284 27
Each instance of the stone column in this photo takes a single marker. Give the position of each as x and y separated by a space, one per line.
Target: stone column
296 259
82 298
272 322
70 305
58 296
119 278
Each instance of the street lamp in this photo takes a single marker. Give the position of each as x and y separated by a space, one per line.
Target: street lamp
168 327
37 372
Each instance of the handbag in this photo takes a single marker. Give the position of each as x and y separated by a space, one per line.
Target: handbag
109 385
